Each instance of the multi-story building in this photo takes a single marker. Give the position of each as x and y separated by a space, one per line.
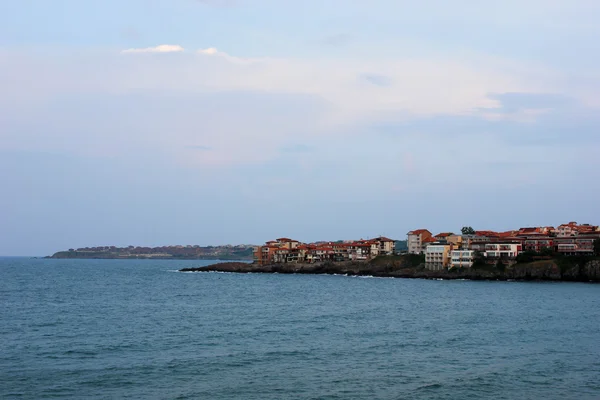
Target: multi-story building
538 244
565 230
437 255
576 245
416 239
504 251
386 245
462 258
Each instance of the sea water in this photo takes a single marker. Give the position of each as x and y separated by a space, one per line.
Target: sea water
137 329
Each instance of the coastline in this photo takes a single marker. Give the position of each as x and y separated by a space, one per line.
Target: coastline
548 271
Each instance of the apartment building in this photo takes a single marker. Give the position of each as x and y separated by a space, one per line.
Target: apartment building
416 239
437 255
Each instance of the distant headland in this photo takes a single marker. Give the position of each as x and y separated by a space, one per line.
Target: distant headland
178 252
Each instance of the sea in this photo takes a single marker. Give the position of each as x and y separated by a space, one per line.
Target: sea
138 329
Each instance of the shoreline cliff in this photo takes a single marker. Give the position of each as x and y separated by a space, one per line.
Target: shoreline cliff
400 267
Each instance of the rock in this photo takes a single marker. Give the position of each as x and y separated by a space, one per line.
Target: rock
546 270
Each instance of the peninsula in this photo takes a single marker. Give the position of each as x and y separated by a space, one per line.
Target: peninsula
178 252
570 252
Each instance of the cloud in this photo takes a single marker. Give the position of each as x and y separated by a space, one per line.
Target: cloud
209 51
163 48
212 51
250 110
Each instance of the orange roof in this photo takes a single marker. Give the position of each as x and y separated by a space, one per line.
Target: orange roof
418 232
383 239
444 234
505 234
487 233
429 240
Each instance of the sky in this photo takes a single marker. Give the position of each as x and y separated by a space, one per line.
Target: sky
155 122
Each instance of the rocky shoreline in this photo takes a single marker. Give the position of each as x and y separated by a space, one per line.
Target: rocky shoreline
548 270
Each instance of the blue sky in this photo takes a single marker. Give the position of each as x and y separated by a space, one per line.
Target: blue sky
153 122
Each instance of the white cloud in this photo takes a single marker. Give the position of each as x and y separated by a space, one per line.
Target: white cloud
250 130
212 51
163 48
209 52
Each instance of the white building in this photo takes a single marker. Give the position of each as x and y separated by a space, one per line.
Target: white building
503 251
437 256
462 258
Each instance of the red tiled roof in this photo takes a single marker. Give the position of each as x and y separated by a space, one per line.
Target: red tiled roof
505 234
383 239
429 240
487 233
444 234
529 230
418 232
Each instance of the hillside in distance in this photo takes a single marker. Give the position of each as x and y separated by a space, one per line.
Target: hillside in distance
189 252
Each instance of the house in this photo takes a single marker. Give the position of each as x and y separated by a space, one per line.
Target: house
386 245
437 255
573 229
565 230
415 240
462 258
359 251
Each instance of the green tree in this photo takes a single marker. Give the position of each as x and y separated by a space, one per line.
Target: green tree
597 247
467 230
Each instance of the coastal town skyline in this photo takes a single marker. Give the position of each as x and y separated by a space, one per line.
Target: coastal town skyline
445 249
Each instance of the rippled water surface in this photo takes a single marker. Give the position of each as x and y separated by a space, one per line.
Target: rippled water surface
98 329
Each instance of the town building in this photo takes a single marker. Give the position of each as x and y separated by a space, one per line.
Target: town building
580 245
506 252
437 255
443 236
462 258
416 239
538 244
